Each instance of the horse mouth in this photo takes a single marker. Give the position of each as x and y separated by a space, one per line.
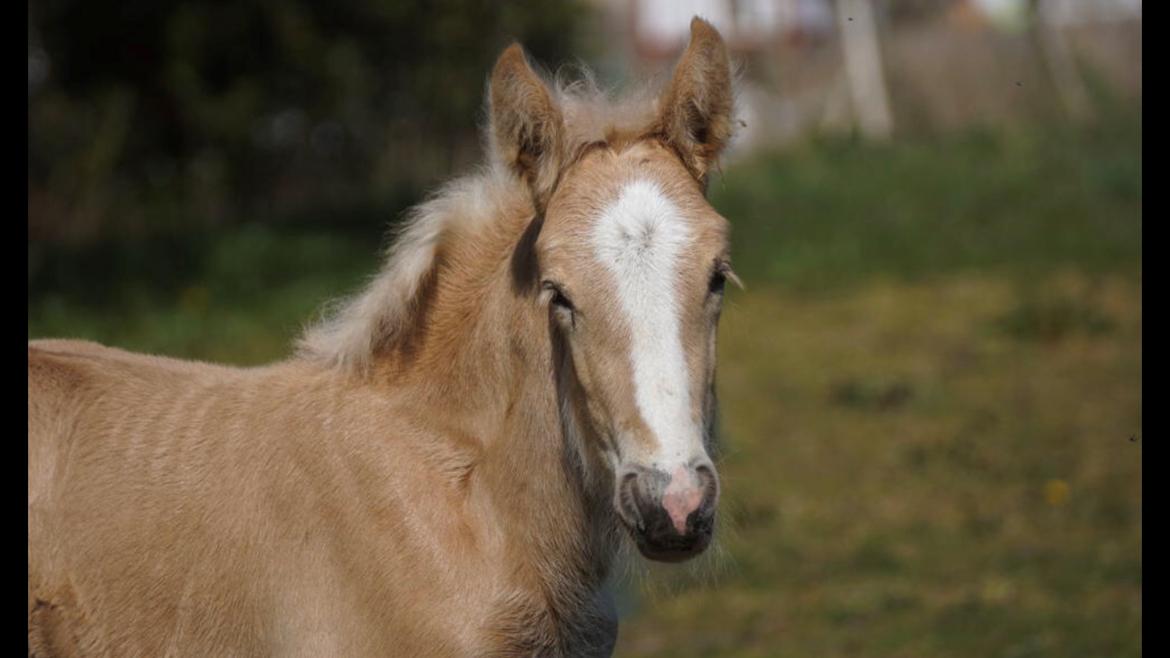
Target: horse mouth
665 544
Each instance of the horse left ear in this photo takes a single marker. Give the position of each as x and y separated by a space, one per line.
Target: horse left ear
696 110
526 124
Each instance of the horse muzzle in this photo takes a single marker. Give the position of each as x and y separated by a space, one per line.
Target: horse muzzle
670 515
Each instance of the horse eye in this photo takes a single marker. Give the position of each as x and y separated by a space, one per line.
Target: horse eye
558 296
559 299
718 282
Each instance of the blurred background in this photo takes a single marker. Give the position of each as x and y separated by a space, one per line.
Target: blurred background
931 386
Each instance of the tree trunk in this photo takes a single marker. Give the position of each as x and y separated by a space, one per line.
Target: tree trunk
863 68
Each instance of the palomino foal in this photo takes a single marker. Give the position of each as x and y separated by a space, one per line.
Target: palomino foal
449 462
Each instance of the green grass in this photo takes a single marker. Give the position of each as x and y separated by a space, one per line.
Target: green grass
928 390
991 507
835 213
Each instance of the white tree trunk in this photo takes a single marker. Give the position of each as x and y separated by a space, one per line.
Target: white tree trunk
1058 58
863 68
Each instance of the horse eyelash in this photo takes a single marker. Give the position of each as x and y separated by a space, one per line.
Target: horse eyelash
725 269
722 273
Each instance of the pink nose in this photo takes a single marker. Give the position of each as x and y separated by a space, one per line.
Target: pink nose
682 496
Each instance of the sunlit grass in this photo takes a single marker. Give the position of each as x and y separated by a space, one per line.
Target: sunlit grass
991 509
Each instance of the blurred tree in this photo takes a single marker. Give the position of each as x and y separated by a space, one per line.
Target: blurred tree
863 68
146 114
1056 53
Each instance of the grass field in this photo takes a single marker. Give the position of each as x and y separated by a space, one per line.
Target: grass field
931 391
909 475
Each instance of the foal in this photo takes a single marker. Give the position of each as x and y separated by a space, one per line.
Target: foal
447 465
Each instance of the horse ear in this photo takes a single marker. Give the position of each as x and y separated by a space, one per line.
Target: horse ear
696 110
526 124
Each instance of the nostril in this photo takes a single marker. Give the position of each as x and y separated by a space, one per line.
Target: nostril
706 472
708 480
628 499
628 479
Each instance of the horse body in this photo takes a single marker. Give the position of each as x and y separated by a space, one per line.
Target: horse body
299 502
445 468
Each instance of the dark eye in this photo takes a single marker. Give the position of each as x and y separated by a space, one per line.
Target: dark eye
558 299
718 282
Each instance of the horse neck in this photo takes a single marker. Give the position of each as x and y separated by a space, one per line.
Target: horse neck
484 359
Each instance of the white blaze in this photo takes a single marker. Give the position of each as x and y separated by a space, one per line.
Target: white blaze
640 238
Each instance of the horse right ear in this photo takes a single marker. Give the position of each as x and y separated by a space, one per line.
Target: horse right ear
696 110
526 124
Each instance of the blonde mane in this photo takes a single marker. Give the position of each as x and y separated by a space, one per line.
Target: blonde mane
352 332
